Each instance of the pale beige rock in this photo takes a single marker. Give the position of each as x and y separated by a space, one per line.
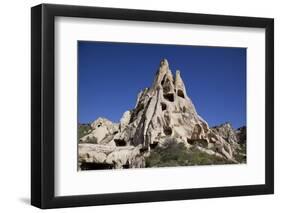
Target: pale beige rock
161 112
165 110
117 157
101 128
124 121
227 132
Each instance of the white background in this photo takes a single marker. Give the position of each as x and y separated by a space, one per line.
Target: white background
70 182
15 106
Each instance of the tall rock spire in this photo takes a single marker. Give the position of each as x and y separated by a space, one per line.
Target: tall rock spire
163 74
179 85
164 111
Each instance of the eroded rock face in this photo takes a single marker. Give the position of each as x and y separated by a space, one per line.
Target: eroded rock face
227 132
102 131
161 111
165 110
241 135
106 156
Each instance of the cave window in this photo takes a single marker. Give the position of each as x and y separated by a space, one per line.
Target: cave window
169 97
168 131
126 166
180 93
95 166
191 142
163 80
153 145
120 142
163 106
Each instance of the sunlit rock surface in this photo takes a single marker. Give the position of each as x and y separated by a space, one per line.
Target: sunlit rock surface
162 111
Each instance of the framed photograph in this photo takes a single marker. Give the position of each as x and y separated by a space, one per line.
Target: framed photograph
139 106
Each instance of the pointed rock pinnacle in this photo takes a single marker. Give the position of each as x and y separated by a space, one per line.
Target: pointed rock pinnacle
164 63
179 85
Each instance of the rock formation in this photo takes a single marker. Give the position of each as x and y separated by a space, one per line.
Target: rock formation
162 111
241 135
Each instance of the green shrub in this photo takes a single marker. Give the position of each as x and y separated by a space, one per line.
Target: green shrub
92 140
197 157
241 156
83 129
171 153
175 154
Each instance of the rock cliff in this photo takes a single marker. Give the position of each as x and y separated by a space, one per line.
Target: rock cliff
161 112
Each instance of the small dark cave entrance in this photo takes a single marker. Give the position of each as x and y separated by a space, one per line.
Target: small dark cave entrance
153 145
162 82
163 106
168 131
190 141
180 93
169 97
95 166
126 166
120 142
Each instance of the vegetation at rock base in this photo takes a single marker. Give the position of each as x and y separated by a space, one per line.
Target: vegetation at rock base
92 140
173 154
83 129
165 120
241 156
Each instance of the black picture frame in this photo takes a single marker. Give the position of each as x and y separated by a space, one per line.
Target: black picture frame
43 102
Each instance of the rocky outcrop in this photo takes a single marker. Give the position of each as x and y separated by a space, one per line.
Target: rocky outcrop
241 135
110 156
102 129
162 111
226 132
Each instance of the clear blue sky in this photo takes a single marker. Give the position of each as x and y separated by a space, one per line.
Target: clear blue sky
110 76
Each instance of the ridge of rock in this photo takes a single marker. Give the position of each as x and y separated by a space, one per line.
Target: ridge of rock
162 111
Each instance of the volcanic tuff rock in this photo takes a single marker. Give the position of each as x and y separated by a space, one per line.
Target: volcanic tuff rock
162 111
241 135
227 133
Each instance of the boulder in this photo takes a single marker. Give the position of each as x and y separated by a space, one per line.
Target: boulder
114 157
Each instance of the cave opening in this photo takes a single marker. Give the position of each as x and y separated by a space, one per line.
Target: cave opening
190 141
126 166
180 93
169 97
153 145
120 142
168 130
162 82
163 106
95 166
